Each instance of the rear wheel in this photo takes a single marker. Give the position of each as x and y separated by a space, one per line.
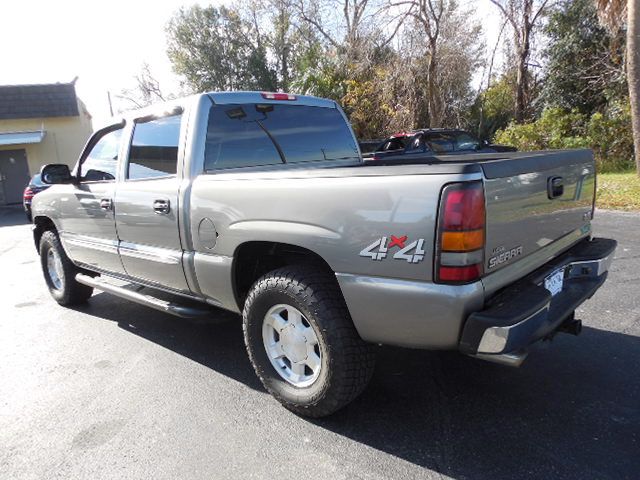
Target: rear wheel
60 273
302 342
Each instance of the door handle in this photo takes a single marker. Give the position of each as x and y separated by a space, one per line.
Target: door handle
162 206
106 204
555 187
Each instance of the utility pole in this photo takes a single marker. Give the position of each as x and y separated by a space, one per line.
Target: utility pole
110 105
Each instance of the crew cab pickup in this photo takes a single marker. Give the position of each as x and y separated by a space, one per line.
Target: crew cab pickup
261 204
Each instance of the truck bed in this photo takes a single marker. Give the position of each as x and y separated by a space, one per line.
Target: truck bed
521 216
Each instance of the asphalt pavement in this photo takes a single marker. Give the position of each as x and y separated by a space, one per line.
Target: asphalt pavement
116 390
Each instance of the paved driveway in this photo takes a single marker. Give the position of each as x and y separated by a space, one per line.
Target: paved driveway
115 390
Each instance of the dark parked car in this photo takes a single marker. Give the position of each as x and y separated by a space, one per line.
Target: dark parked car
35 185
438 141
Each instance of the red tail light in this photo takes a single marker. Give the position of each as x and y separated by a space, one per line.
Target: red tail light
278 96
28 194
460 242
463 207
460 274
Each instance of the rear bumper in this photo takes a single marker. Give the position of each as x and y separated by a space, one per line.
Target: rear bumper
525 311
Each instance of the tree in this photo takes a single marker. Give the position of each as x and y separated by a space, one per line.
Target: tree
280 42
584 62
429 15
365 101
273 29
337 49
612 14
215 49
348 35
146 91
493 108
524 17
442 50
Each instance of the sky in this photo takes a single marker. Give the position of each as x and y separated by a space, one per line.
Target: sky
105 44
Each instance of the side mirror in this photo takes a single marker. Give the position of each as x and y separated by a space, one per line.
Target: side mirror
56 173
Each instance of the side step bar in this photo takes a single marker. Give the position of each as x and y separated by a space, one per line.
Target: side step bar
147 300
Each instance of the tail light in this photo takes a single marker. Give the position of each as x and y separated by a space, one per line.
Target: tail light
278 96
460 239
28 193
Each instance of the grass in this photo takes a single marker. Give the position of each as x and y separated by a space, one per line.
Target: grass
618 191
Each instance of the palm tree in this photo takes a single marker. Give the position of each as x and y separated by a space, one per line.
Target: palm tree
612 14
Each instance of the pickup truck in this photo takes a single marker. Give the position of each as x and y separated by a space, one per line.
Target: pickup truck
261 204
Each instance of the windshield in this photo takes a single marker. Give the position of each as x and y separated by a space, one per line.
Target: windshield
270 134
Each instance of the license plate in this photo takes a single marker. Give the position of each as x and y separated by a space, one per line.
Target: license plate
554 282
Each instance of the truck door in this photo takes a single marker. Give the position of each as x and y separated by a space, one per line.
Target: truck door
88 228
146 204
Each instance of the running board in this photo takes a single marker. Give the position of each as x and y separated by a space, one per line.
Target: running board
147 300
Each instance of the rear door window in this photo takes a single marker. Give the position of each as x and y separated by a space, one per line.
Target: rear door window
271 134
154 148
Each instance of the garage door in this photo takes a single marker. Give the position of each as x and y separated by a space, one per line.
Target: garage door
14 176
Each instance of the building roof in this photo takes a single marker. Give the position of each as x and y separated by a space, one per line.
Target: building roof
38 101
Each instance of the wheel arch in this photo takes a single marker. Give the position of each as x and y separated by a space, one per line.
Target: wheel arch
41 224
253 259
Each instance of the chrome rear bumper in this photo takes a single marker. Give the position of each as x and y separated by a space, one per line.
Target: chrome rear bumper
526 311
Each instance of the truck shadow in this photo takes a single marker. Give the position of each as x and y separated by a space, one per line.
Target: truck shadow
571 411
218 344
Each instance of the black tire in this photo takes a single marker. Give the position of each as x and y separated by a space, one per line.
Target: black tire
347 362
68 292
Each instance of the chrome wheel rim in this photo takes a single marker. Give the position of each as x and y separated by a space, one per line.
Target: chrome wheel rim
54 269
292 345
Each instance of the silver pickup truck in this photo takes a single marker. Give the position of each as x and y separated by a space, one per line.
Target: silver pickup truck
261 204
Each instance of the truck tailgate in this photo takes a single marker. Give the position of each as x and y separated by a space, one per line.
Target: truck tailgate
532 201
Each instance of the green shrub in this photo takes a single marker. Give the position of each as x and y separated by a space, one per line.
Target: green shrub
608 134
611 138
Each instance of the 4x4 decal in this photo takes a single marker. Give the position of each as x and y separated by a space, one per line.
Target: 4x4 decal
412 252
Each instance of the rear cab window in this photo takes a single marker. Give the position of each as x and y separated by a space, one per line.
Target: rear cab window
256 134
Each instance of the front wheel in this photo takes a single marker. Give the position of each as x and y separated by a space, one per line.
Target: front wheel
60 272
302 342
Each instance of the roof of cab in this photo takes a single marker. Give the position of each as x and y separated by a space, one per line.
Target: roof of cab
257 97
220 98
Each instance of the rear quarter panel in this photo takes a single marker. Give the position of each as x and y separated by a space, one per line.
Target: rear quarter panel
336 213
